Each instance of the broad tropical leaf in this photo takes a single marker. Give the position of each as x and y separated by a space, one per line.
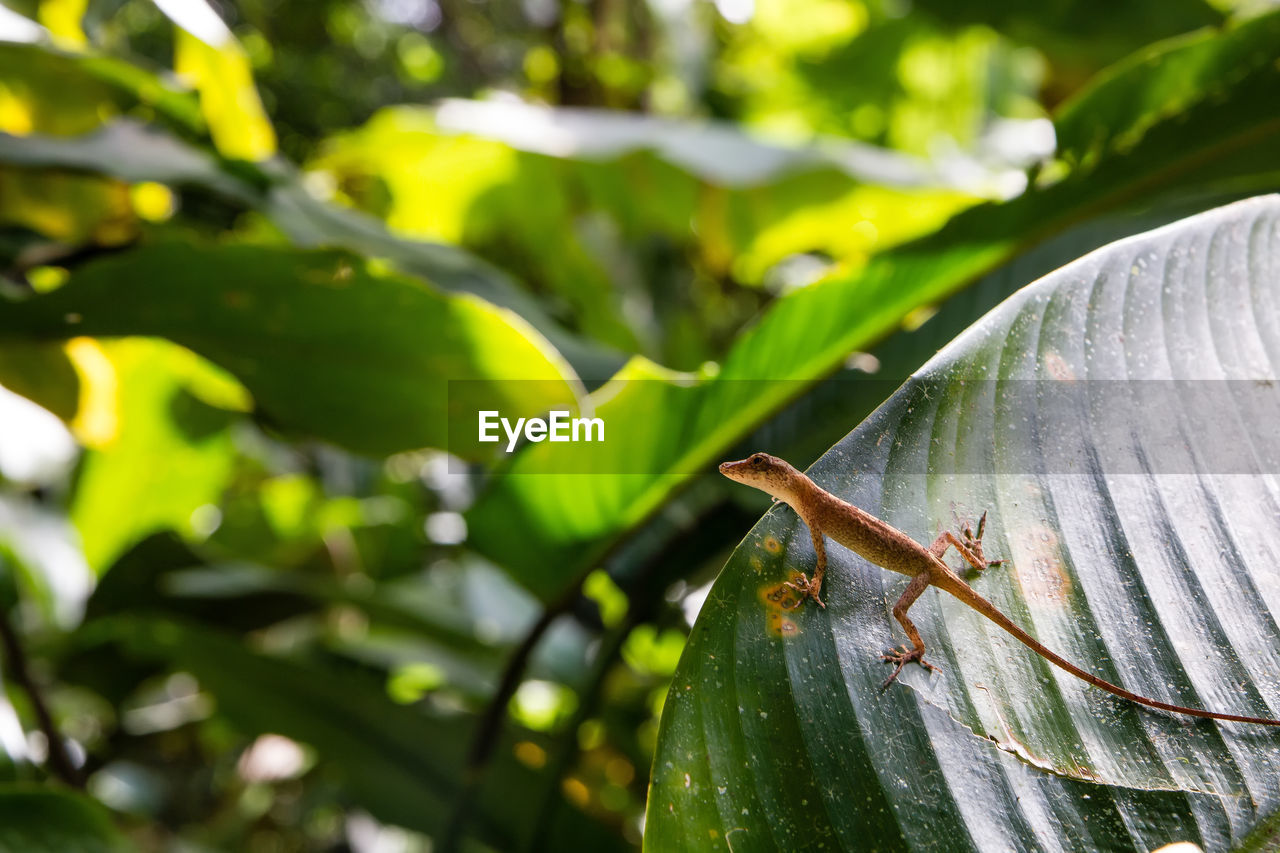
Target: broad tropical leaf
1103 416
326 345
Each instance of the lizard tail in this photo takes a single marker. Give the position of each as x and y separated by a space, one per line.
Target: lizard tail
966 594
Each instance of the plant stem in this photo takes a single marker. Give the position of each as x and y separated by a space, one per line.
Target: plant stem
588 700
60 762
489 728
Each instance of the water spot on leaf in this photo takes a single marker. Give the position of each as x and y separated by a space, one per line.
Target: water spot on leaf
1038 568
1058 367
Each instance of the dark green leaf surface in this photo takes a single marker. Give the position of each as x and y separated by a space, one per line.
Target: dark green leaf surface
667 432
398 762
41 372
775 734
1157 83
327 346
44 821
1085 31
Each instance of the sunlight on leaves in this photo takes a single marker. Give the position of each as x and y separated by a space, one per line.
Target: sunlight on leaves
220 72
170 454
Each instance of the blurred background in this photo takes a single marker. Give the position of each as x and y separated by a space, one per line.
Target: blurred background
251 601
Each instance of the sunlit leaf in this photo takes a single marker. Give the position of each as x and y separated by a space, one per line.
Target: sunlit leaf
43 90
71 209
805 67
208 55
1062 413
169 456
52 94
310 222
62 19
326 345
30 78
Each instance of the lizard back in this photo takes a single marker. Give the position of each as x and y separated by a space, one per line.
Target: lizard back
866 535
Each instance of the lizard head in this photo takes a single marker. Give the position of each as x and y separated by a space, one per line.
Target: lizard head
766 473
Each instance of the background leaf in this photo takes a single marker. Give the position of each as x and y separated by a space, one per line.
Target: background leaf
396 760
220 71
36 820
166 453
269 316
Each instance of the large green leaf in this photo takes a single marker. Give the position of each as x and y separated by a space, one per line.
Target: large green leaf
549 528
1113 418
326 345
38 820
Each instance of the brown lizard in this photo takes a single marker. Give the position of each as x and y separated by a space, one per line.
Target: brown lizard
890 548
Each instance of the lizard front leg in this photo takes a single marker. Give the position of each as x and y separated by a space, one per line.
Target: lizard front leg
809 587
903 656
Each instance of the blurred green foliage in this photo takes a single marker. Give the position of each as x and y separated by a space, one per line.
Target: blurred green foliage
249 246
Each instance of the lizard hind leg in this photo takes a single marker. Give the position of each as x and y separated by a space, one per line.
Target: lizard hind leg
970 547
902 655
974 541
